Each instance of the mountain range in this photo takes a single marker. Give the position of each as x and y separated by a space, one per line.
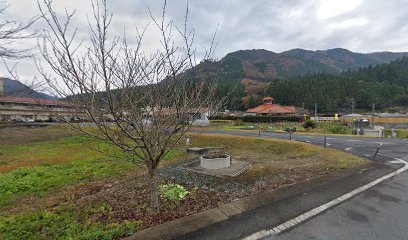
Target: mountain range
255 68
261 64
17 89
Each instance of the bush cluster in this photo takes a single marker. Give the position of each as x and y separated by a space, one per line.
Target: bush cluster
309 124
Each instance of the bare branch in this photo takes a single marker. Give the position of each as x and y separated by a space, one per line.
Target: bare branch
142 104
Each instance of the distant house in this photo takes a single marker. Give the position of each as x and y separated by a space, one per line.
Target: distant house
271 109
196 116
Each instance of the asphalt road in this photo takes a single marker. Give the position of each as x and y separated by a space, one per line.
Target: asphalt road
378 213
360 146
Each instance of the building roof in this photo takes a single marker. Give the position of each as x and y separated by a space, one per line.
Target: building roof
166 111
272 108
353 115
268 99
32 101
391 115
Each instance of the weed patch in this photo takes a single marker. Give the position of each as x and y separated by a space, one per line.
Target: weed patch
67 223
42 179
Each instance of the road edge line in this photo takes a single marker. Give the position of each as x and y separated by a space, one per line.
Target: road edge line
315 211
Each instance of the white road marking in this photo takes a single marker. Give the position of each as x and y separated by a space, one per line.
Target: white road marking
305 216
394 161
353 140
348 149
328 144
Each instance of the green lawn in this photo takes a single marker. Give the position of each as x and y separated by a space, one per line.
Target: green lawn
322 127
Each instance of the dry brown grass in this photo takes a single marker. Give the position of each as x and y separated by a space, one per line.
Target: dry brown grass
281 158
29 147
24 135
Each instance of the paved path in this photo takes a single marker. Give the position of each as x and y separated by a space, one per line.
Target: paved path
378 213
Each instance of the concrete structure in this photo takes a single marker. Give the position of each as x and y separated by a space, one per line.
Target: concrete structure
215 161
197 117
30 109
373 132
201 118
271 109
325 119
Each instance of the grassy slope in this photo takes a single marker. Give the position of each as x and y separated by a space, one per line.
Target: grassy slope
280 154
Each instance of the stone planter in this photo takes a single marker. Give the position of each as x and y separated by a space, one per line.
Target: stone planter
217 161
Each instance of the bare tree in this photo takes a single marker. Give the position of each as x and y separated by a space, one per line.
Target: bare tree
10 33
140 103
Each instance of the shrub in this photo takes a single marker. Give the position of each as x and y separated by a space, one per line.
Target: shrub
337 129
173 192
290 129
309 124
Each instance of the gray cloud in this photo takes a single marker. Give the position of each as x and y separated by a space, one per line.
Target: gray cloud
279 25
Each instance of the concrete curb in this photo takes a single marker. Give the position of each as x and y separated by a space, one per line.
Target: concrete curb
181 226
185 225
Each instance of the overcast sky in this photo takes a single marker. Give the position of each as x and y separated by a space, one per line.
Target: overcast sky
276 25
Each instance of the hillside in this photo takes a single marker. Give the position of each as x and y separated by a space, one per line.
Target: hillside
262 65
385 85
18 89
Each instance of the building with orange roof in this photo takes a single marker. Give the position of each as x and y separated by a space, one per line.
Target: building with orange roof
268 108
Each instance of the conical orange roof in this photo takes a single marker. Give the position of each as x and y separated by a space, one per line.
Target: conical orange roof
268 99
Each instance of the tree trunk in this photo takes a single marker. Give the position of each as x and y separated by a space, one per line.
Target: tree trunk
153 175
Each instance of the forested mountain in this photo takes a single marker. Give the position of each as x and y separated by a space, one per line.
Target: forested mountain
341 59
386 85
298 77
250 73
263 65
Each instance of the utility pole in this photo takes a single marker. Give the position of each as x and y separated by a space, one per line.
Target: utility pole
315 111
352 106
373 117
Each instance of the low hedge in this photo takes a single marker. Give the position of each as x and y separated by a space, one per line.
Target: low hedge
259 119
